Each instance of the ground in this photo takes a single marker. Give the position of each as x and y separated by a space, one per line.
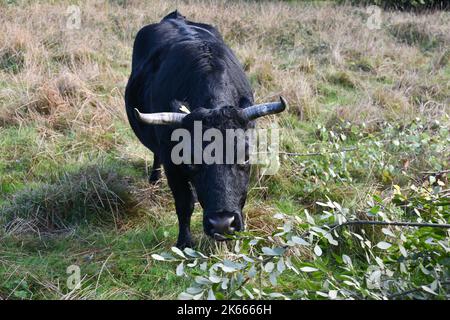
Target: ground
368 119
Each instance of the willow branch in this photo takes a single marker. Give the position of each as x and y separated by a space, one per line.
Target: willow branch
296 154
393 223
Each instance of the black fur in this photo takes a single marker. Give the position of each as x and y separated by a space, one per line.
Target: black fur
179 61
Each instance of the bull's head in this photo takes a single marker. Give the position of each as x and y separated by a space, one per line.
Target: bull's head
221 187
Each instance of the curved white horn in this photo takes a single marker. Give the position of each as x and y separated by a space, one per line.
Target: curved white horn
265 109
159 117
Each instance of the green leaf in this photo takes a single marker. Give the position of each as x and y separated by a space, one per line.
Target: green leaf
211 295
194 290
308 269
252 272
324 204
269 266
158 257
224 284
180 269
273 278
403 250
246 258
230 266
198 296
250 295
300 241
192 264
332 294
281 266
290 265
330 239
383 245
317 250
202 280
178 252
228 269
215 279
278 251
237 247
185 296
191 253
309 218
429 290
319 230
347 260
388 232
277 295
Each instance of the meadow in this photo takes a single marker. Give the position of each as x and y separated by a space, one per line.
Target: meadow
366 137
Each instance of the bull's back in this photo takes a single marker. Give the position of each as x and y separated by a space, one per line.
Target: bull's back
151 90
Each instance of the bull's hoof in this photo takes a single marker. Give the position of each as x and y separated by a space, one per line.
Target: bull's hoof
155 176
181 244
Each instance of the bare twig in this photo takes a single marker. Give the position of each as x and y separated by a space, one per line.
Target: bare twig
435 172
412 291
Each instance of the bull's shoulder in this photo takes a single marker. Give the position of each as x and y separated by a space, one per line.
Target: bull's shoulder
146 40
210 29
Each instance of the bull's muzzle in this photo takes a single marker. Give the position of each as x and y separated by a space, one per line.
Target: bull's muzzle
219 226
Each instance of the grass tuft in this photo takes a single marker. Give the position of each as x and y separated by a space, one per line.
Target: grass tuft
416 34
92 195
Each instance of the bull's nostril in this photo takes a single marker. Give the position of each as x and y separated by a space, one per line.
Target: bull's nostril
222 225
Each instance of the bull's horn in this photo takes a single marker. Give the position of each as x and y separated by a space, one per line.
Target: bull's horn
160 117
265 109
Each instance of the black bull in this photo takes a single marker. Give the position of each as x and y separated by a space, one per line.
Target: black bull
179 62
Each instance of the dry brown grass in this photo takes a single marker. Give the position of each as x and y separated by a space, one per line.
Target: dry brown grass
52 72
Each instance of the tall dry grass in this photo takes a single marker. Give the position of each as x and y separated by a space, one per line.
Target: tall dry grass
62 77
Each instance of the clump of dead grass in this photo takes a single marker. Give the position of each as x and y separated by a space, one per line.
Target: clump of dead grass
392 103
93 195
261 219
63 103
342 78
13 48
416 34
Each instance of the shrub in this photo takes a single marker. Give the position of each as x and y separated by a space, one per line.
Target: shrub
401 262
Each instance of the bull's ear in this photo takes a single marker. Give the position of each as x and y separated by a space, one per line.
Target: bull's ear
161 118
264 109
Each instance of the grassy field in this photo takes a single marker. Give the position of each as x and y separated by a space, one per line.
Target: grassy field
368 117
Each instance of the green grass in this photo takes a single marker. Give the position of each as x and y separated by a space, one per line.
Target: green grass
129 271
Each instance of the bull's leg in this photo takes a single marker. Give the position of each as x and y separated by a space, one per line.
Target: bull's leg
184 205
155 175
